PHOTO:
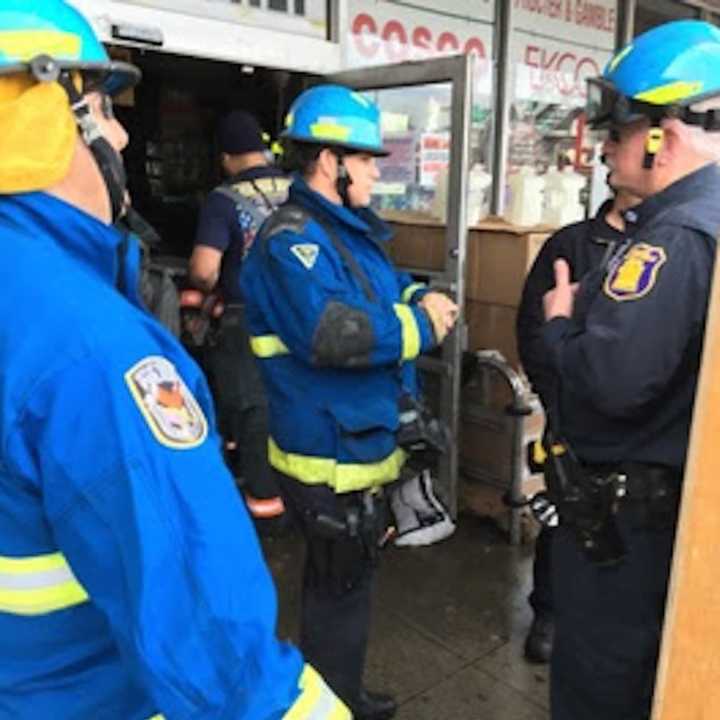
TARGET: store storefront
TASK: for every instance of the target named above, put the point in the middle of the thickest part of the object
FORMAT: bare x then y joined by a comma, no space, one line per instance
490,151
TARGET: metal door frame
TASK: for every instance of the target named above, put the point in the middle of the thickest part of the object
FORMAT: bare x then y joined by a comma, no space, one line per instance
456,70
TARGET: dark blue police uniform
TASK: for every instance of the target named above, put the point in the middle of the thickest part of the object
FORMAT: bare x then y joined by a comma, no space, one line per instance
584,245
628,365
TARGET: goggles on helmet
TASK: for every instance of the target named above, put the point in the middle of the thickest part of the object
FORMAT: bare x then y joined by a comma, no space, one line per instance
605,107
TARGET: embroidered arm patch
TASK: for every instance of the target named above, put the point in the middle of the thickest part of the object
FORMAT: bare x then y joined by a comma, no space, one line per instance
636,273
169,408
306,253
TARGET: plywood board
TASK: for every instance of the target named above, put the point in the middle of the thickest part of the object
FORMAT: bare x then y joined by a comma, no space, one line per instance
688,683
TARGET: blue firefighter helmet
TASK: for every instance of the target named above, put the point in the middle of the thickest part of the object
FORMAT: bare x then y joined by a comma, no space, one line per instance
336,116
53,29
662,73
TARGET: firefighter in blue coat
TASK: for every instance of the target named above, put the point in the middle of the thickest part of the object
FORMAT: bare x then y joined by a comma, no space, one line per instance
626,346
336,329
131,582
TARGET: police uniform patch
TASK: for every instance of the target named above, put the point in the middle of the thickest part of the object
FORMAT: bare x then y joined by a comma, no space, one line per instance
636,273
171,411
306,253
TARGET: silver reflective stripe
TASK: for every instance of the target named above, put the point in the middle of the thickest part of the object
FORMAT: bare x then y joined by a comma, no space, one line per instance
38,584
324,706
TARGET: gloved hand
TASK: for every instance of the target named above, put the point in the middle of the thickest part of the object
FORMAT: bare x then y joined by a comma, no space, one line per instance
442,312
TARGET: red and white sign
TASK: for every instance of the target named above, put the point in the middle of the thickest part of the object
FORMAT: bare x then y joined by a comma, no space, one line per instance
588,22
384,32
553,72
434,156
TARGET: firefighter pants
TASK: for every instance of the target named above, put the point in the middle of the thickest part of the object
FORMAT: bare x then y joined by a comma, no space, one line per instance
242,404
337,582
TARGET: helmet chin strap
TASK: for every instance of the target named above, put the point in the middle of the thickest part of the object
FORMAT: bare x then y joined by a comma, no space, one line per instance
106,157
343,181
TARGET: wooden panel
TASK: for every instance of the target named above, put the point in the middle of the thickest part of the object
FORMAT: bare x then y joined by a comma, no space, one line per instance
688,684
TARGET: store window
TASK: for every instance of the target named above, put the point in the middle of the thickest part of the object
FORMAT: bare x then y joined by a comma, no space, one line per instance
552,155
416,129
416,120
650,13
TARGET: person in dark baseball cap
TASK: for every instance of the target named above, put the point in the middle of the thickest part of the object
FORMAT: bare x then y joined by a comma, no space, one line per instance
238,133
229,219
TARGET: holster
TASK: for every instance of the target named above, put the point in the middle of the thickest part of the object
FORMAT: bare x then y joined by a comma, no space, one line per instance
587,501
345,548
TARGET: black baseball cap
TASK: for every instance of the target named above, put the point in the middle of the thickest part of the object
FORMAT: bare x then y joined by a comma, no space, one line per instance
239,132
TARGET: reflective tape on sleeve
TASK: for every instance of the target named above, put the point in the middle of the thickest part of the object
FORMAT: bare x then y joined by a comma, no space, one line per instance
410,290
38,585
410,331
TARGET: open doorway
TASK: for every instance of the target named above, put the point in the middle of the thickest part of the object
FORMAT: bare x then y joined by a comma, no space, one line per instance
171,117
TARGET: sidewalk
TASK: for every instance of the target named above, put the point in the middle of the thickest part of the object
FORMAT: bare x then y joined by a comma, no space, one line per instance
448,629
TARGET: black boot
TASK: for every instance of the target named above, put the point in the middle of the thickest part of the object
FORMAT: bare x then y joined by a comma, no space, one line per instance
373,706
539,641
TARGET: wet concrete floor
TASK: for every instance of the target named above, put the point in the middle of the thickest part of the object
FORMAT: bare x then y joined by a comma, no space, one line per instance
448,626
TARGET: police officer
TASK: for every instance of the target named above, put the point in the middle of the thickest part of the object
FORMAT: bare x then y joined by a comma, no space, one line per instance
336,329
229,219
626,346
131,581
585,245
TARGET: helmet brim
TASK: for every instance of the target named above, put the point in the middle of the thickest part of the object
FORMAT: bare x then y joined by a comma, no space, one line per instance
110,77
352,147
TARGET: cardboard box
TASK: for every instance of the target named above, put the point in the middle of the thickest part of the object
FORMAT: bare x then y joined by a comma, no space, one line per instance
497,264
492,327
419,244
498,257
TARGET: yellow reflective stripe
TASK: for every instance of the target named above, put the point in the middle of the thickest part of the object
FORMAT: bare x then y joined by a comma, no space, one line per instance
38,585
157,717
670,93
26,44
36,563
410,290
267,346
316,701
342,477
410,331
330,131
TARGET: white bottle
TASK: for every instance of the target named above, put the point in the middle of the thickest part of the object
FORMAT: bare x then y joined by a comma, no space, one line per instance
562,197
477,204
526,197
438,206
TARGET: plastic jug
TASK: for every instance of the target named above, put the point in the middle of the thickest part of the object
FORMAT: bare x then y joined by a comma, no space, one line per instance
438,206
562,197
526,197
477,204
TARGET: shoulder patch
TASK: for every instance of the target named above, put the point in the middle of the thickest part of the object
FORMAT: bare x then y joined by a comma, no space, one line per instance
306,253
169,408
636,273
